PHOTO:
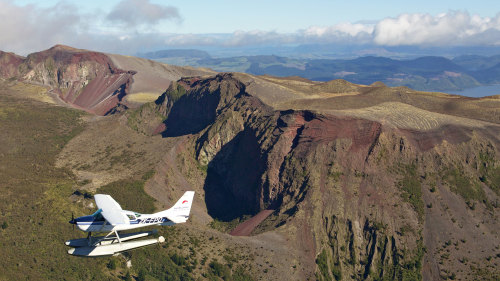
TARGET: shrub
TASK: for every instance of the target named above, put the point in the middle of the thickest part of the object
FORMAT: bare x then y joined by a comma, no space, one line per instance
142,275
112,264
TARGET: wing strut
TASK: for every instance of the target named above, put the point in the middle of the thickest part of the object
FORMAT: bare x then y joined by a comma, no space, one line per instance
116,234
118,237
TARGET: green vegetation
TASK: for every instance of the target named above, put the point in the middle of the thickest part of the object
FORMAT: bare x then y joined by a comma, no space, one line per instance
154,264
328,268
412,269
170,263
149,174
175,92
34,197
35,206
462,185
133,118
224,272
334,172
112,264
412,190
50,67
128,277
131,195
219,270
406,265
322,262
224,226
490,172
481,273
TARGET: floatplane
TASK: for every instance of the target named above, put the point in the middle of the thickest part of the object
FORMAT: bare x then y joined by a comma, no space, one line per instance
111,219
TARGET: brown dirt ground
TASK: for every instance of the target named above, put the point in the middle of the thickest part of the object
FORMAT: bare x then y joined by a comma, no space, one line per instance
246,228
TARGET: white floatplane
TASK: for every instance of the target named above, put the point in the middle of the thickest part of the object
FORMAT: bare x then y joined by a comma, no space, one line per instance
110,218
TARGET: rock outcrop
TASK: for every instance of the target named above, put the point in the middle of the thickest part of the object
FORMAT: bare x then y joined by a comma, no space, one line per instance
84,79
364,198
10,63
90,80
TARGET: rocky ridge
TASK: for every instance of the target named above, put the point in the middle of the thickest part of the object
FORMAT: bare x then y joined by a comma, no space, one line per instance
365,199
90,80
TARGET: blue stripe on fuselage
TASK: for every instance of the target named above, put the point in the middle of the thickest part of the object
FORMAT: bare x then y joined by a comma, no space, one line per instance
85,219
88,220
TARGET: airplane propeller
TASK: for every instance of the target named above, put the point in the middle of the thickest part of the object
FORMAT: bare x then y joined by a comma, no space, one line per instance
72,221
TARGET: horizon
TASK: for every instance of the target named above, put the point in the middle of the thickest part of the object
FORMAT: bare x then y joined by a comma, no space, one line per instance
132,26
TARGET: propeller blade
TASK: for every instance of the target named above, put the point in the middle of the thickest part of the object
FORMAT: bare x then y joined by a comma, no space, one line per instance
72,221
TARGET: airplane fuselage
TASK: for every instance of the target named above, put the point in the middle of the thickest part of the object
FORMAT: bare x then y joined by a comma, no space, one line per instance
92,224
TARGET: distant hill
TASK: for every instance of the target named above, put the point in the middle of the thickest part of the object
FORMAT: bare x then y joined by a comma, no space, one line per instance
175,53
97,82
474,62
429,73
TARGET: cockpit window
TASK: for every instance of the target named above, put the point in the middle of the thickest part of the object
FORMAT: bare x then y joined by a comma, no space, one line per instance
98,216
137,215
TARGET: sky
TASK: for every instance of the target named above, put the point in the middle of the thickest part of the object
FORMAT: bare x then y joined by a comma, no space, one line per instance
129,26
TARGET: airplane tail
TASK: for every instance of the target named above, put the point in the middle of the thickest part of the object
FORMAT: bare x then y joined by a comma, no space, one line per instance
179,213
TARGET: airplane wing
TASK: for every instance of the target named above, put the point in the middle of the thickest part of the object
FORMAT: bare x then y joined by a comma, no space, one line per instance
111,210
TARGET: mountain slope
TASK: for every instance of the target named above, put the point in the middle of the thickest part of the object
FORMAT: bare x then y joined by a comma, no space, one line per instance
93,81
362,194
355,182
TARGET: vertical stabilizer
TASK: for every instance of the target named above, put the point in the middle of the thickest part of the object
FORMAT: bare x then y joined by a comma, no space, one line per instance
179,213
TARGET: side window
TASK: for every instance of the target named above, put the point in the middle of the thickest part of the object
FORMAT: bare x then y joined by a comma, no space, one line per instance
99,217
131,217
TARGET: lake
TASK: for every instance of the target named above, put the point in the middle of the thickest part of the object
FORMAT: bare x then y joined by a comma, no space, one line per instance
478,92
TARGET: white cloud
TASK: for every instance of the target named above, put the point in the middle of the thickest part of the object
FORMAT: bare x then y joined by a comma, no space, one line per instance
453,28
190,40
134,13
258,37
339,30
447,29
30,28
27,28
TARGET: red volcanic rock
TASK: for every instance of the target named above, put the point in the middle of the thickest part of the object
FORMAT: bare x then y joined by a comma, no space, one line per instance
246,228
9,64
85,79
93,81
343,187
325,128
